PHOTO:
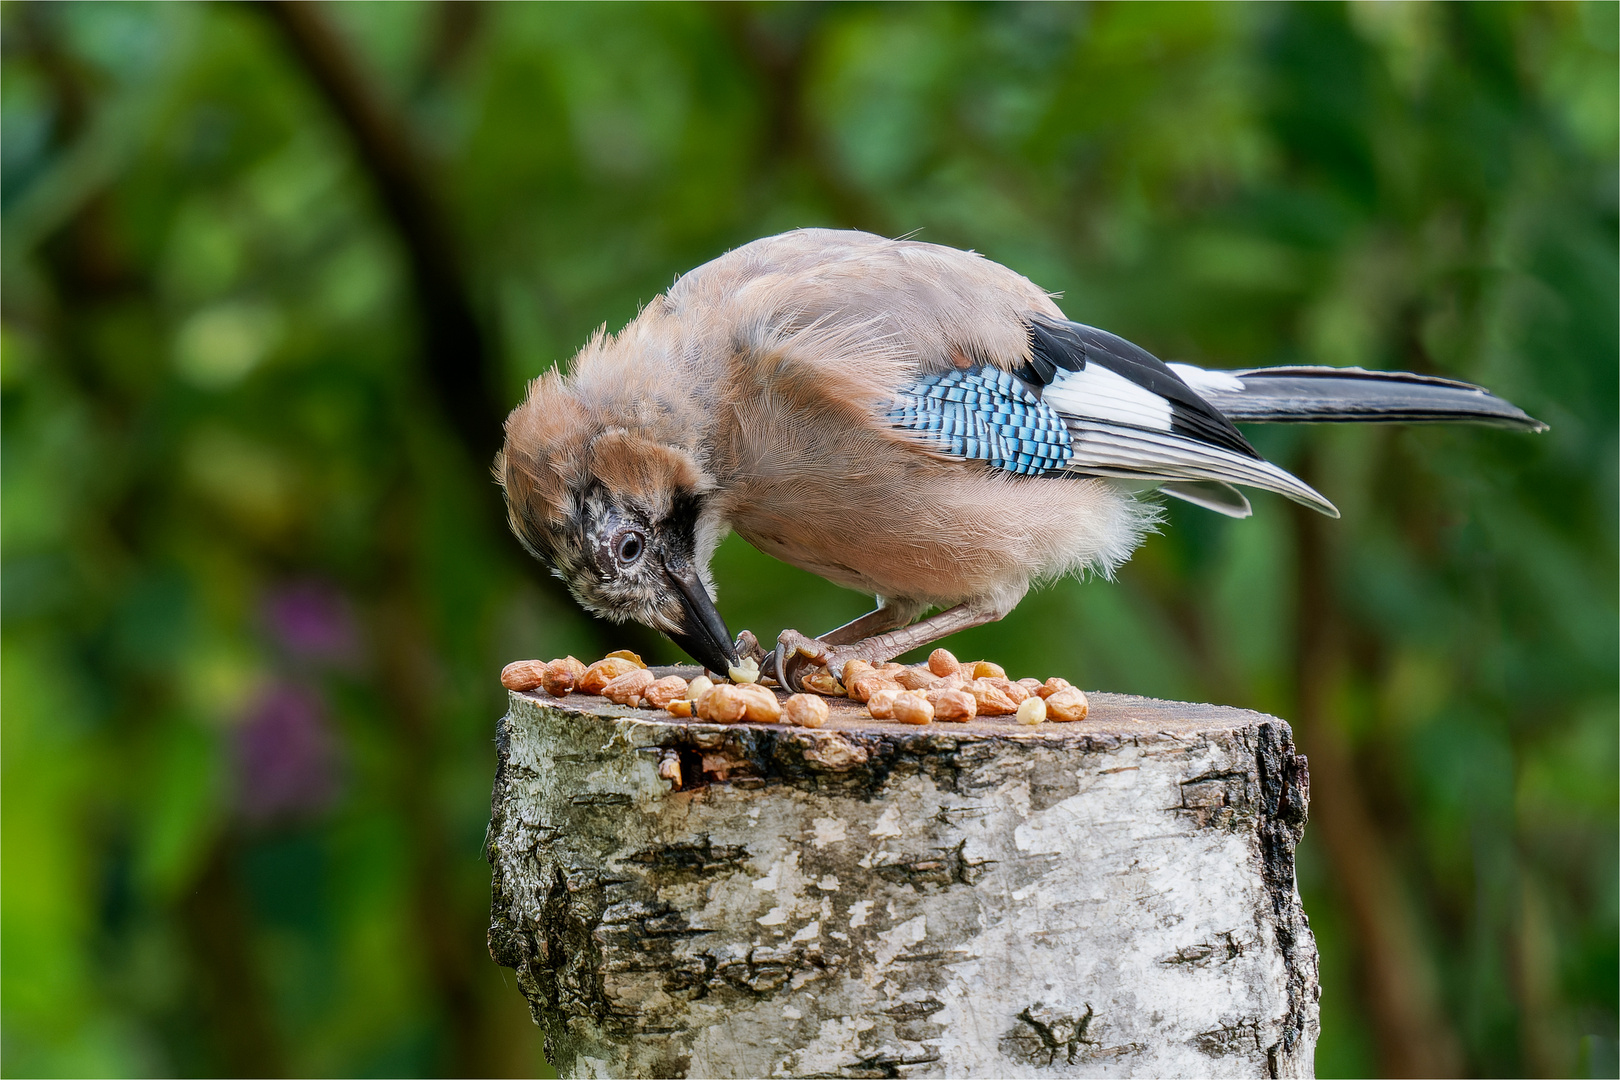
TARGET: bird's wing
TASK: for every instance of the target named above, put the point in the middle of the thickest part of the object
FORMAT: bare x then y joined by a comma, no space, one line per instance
1087,402
972,360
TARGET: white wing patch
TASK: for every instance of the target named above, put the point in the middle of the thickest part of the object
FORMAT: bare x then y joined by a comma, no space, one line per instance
1137,420
1095,393
1208,382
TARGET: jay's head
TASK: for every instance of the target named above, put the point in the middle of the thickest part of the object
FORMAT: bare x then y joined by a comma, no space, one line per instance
618,515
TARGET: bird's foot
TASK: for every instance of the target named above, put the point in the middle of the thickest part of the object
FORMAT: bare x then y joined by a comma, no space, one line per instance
747,646
797,656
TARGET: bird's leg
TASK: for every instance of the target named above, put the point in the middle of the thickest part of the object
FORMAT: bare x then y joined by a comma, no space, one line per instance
889,614
880,647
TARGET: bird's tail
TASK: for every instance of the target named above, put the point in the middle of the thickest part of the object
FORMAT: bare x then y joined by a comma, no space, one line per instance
1324,395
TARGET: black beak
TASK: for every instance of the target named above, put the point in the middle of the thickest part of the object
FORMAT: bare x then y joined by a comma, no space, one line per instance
703,632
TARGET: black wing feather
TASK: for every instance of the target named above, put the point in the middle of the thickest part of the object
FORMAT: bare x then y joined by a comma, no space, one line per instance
1319,395
1067,346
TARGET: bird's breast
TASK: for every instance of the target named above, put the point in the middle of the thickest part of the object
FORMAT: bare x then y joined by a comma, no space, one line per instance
940,534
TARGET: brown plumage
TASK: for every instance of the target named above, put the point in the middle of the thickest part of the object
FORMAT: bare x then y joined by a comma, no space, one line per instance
758,395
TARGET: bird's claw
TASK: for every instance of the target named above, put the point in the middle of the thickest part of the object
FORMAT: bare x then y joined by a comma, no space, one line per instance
796,655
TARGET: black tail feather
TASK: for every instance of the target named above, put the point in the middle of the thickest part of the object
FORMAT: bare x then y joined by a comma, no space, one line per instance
1325,395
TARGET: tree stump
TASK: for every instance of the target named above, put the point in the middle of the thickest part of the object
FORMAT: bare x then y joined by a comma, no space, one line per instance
1107,898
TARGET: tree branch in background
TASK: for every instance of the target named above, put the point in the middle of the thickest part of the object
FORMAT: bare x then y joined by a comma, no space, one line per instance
456,355
457,358
1399,986
778,55
456,26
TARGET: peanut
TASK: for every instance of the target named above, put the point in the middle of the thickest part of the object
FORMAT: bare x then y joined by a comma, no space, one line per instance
915,678
853,669
603,672
523,675
990,699
723,704
954,705
824,683
942,663
1032,710
763,708
1068,705
663,691
1052,686
745,671
867,683
626,654
805,710
984,669
1030,685
881,703
1015,693
697,686
563,675
628,688
679,707
912,707
560,682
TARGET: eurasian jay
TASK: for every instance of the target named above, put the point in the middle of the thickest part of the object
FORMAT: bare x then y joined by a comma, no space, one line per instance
901,418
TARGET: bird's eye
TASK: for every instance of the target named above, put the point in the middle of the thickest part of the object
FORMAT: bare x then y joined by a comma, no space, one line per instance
628,548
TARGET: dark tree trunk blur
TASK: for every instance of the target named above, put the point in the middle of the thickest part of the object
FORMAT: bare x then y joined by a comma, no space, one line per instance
1399,985
458,362
455,353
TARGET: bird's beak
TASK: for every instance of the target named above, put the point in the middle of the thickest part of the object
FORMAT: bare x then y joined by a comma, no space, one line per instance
703,632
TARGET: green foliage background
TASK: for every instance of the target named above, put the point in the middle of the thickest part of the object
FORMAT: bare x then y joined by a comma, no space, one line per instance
256,589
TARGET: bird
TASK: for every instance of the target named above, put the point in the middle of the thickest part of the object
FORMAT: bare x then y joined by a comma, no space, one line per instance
904,419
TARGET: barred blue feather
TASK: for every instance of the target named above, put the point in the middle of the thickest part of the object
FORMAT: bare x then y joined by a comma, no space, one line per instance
985,414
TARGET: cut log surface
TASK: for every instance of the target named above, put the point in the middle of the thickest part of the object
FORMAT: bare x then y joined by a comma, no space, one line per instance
1113,897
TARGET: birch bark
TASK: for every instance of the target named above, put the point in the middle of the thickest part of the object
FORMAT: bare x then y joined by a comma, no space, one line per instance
1109,898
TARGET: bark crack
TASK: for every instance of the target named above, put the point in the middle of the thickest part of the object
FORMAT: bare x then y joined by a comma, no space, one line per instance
1285,792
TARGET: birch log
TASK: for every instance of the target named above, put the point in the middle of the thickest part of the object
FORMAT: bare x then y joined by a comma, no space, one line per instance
1109,898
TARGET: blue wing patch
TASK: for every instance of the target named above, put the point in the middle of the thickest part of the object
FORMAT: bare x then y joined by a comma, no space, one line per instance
985,414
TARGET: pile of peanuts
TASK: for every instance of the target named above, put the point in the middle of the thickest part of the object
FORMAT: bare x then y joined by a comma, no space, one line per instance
950,690
944,689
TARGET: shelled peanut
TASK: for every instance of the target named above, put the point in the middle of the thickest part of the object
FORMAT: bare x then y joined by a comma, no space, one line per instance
805,710
523,675
604,671
912,707
955,705
562,676
661,692
626,689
